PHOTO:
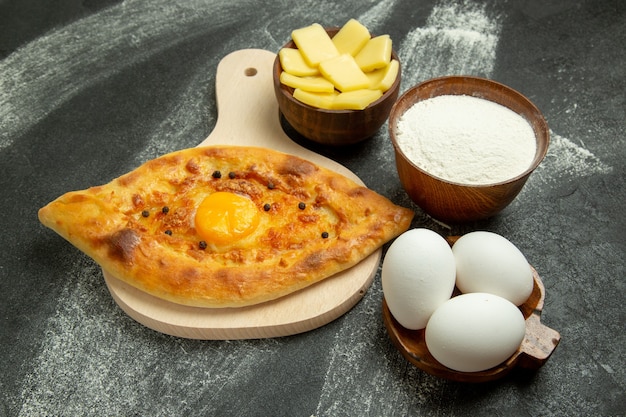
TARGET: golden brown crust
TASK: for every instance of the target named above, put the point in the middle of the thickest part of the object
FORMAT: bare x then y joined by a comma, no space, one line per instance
159,252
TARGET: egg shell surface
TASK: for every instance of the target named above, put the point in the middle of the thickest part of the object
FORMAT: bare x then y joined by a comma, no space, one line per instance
418,275
488,262
475,332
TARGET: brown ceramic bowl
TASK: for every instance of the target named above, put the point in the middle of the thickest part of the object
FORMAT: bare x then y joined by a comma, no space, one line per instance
455,202
333,127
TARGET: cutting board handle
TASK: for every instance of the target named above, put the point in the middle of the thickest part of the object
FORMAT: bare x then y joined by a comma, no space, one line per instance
243,82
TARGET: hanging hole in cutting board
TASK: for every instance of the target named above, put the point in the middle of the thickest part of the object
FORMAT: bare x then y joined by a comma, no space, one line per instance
250,72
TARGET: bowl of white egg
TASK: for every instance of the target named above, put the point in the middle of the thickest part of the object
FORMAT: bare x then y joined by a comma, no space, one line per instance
465,308
465,146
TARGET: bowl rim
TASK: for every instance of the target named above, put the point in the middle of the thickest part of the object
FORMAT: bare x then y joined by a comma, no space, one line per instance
540,152
288,91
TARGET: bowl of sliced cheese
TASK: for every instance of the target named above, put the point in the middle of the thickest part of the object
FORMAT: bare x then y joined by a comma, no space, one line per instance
336,86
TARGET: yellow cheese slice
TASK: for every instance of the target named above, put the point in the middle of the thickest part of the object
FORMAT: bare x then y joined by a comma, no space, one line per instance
344,73
314,44
383,78
319,100
314,84
356,100
375,54
351,37
291,60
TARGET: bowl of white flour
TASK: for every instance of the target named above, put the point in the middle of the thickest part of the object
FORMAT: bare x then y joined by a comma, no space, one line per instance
465,146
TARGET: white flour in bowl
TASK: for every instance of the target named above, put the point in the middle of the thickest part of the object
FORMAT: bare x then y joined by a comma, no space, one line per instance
466,139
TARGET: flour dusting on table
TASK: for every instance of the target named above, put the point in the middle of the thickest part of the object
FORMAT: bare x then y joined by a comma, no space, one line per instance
564,160
459,38
50,70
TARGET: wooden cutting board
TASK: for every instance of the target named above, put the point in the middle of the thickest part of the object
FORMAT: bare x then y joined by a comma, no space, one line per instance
248,115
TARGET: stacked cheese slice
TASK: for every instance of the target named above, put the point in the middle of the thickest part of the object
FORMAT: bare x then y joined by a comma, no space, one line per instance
346,72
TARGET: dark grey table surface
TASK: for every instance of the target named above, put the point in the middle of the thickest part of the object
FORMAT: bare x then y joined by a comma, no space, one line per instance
89,90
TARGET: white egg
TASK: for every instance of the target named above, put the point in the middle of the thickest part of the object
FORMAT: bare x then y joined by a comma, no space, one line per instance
488,262
417,276
475,332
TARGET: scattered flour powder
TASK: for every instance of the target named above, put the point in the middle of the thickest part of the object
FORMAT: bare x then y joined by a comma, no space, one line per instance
466,139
